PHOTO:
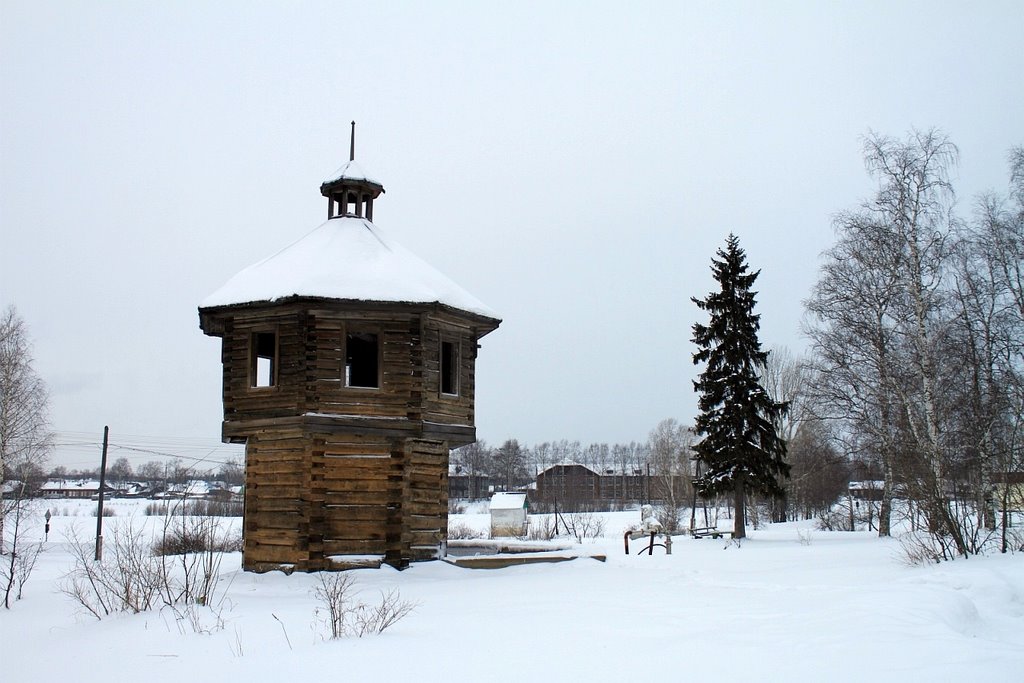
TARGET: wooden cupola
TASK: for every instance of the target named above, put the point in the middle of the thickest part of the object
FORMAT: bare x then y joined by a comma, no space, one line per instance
350,191
349,374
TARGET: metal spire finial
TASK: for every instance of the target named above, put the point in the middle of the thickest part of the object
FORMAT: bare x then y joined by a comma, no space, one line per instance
352,144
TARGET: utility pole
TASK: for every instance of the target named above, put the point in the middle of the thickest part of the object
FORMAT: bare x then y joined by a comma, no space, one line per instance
99,510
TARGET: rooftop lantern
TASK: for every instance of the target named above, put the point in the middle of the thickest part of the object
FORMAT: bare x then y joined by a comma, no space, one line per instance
351,192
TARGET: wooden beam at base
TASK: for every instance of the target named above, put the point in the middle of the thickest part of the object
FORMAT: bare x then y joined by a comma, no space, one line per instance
500,562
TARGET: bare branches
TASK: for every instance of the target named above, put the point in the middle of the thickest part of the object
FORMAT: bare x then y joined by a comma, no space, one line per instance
345,616
180,572
24,433
916,329
16,567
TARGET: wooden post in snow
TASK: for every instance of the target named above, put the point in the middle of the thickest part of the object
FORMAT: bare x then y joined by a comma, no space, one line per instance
99,509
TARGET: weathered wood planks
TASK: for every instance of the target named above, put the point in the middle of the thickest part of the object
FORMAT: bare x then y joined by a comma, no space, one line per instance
335,470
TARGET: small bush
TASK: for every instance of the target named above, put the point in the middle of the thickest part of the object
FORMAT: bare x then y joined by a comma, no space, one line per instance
126,580
669,517
214,508
542,528
156,509
460,531
195,538
344,616
584,525
921,548
107,512
834,520
195,508
131,578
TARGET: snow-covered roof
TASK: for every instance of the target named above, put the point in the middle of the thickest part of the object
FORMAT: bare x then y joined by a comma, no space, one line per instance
64,485
869,484
544,467
351,171
346,258
508,501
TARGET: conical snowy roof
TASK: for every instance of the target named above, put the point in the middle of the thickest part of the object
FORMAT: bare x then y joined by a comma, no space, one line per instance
351,171
346,258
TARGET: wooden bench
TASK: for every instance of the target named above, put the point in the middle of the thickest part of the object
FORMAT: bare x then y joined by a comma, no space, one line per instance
713,532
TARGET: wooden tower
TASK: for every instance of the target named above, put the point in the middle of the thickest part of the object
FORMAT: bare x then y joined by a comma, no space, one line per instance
348,369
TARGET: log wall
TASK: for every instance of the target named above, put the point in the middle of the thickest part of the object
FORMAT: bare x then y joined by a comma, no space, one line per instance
337,476
316,500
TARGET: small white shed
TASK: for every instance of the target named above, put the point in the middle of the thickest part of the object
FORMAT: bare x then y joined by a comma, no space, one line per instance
508,514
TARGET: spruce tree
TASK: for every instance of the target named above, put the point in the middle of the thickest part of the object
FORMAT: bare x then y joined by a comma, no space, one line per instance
740,451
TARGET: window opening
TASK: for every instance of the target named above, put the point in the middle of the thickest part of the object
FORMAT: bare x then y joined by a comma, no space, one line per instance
264,359
361,360
449,368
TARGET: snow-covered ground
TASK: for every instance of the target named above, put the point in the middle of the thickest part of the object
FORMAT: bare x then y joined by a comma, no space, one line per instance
841,607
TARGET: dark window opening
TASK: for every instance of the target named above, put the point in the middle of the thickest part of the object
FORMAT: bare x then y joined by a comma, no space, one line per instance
263,361
361,360
449,368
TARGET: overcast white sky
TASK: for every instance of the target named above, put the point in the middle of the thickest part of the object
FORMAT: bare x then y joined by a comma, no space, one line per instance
573,165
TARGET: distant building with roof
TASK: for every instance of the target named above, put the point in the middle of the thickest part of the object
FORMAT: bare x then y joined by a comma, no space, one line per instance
66,488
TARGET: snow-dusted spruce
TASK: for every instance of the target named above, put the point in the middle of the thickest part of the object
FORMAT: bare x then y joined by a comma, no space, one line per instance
740,451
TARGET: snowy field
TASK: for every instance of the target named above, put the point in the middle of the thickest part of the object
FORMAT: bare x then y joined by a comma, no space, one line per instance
788,605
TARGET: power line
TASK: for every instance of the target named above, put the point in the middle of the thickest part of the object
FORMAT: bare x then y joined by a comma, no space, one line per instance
80,449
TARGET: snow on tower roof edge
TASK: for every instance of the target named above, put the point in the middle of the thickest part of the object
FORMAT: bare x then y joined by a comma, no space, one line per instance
346,258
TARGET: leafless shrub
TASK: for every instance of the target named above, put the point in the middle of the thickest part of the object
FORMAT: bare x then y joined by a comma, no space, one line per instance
21,555
461,530
345,616
377,619
24,563
834,520
191,617
180,571
922,548
126,580
156,509
585,525
542,528
456,507
507,531
198,535
669,516
847,516
192,574
197,508
214,508
804,536
1015,539
334,592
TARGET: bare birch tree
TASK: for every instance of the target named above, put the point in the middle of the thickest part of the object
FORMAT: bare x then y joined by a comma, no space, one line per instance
670,451
854,355
913,205
24,433
989,292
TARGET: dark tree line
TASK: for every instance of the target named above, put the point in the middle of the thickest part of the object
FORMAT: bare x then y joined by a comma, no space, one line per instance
154,473
513,465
